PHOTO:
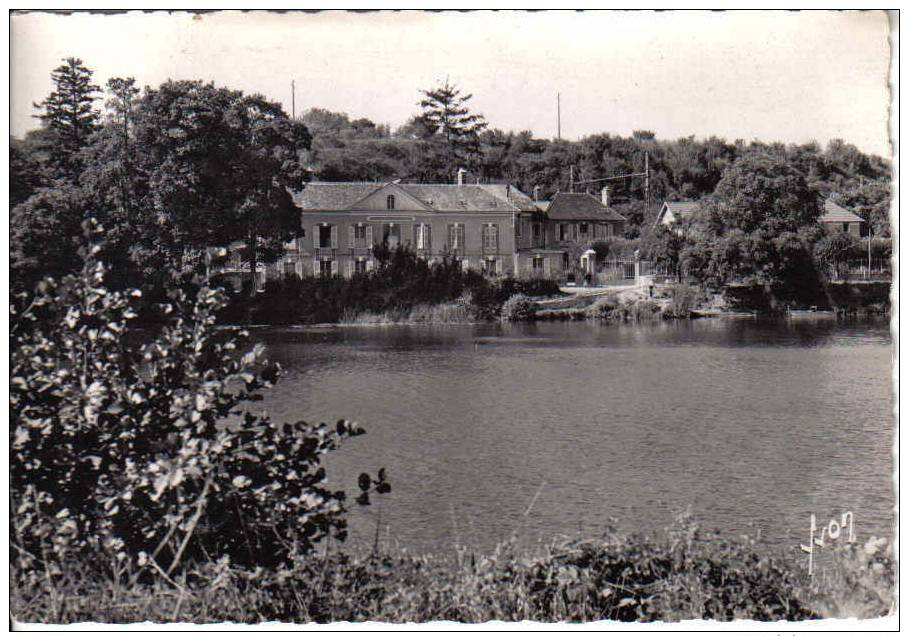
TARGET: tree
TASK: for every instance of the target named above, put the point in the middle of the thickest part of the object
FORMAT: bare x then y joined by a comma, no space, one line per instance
118,449
24,172
44,232
665,247
70,115
762,192
188,166
446,115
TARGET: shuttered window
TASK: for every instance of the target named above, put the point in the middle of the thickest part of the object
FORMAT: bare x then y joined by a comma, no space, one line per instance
326,236
491,237
357,235
456,236
422,236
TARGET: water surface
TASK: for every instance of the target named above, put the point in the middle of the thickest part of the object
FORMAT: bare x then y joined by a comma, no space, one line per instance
751,425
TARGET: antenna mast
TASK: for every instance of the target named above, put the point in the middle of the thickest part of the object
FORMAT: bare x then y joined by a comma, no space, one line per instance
558,115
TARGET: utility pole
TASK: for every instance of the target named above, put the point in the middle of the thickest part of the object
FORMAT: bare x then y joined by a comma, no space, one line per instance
646,183
571,178
293,100
558,115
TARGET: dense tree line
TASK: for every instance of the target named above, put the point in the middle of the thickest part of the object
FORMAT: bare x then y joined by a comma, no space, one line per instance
171,170
346,149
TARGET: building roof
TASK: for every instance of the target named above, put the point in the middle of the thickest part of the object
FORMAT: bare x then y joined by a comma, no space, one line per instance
580,206
834,213
680,209
340,196
332,196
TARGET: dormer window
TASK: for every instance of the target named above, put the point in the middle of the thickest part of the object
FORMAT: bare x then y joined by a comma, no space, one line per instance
390,202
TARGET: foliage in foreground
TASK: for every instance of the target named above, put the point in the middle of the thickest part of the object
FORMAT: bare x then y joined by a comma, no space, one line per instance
679,574
135,452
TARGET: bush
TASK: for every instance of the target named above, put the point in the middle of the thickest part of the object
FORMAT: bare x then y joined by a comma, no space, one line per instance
683,299
519,308
134,448
402,283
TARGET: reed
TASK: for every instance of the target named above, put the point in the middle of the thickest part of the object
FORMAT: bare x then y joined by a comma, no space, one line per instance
679,573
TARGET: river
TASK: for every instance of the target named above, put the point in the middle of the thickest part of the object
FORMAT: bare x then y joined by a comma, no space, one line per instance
552,429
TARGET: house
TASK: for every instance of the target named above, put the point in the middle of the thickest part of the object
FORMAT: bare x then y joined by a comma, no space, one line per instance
570,220
342,222
676,212
838,219
492,228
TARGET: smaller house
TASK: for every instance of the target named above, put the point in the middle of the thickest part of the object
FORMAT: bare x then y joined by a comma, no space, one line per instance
579,218
836,218
675,212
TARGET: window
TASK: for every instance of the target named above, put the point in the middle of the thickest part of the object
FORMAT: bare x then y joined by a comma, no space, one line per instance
325,268
290,268
359,236
422,236
563,231
517,228
325,236
582,228
360,266
391,232
490,237
538,263
456,236
536,230
845,227
390,202
490,266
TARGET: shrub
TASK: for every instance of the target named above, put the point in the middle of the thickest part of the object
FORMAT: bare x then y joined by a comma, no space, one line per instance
519,308
400,283
683,299
123,452
676,574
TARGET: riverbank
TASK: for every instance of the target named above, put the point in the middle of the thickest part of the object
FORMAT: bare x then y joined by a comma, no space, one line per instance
681,573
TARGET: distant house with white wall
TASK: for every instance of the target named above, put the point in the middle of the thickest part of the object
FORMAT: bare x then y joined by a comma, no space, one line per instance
836,218
672,213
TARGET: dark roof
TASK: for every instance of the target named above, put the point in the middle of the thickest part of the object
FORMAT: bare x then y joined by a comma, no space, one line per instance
834,213
580,206
321,195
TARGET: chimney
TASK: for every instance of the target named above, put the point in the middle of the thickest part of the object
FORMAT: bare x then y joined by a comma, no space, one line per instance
508,192
461,173
536,193
604,196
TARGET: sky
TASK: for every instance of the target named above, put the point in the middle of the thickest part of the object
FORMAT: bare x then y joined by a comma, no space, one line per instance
773,76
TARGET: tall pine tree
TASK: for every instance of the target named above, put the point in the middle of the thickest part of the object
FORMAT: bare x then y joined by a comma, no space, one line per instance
446,115
70,116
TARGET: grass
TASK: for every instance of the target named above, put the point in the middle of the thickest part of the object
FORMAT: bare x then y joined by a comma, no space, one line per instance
680,573
429,314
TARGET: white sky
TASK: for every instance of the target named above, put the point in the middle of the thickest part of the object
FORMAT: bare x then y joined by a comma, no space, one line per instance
774,76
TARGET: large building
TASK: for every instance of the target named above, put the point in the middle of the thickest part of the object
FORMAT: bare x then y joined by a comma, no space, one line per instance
493,228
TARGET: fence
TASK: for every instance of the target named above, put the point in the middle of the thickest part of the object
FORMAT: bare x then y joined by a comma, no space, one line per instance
877,269
627,272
